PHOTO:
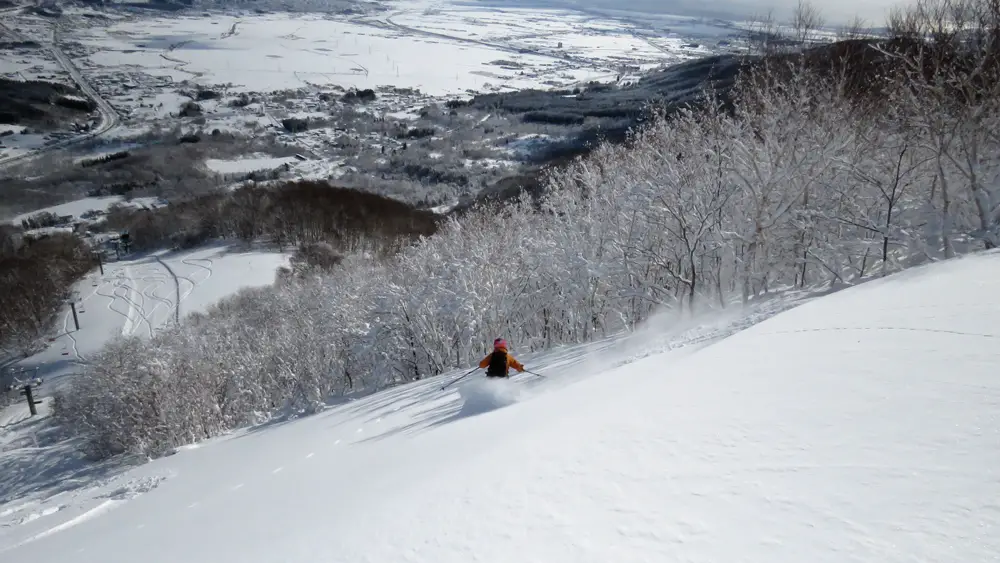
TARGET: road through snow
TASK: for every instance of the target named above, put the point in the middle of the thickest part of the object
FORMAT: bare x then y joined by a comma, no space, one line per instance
109,116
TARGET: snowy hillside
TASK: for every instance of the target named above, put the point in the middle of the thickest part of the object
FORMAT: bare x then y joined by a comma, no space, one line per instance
140,296
857,427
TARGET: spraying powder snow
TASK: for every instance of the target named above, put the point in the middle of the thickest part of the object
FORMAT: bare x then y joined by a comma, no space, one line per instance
483,395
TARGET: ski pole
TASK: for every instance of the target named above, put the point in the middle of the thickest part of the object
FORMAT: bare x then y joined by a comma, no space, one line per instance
533,373
460,378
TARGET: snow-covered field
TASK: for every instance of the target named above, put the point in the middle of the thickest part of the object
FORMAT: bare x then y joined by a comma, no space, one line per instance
22,143
140,296
26,62
249,164
570,34
80,207
436,48
860,426
148,65
281,51
31,64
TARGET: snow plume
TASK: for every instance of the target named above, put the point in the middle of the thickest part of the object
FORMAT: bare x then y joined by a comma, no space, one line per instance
484,395
683,330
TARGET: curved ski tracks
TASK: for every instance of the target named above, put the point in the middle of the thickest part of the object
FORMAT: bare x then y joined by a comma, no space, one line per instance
178,278
152,279
135,314
74,347
177,285
191,262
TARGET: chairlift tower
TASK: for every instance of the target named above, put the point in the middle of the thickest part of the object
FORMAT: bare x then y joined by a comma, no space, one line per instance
26,386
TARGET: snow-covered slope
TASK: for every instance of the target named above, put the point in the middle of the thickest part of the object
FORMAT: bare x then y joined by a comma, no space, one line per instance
861,426
141,295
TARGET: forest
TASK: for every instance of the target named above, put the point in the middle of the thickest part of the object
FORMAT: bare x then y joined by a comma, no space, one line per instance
35,277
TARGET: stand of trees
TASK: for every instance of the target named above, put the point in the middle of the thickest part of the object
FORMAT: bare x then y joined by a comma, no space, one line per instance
803,181
35,275
292,213
325,221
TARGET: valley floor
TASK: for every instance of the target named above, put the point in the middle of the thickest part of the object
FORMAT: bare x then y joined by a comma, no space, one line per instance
258,74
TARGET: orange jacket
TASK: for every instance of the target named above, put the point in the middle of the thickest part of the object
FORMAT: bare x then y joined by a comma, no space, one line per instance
511,362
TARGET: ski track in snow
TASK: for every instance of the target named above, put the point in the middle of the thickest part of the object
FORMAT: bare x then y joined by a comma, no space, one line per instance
136,299
133,313
106,495
105,506
871,328
150,292
31,517
75,345
113,298
68,333
152,280
178,295
193,263
137,303
17,508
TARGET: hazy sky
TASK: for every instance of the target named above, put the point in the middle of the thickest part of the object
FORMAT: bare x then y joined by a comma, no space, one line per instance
834,11
839,11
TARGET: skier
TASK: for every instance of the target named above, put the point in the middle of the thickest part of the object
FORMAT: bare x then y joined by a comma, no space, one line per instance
498,362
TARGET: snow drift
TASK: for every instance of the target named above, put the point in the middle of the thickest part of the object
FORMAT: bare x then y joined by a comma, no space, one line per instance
861,426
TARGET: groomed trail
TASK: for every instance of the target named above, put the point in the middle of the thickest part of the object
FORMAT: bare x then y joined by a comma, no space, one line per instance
859,426
141,295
